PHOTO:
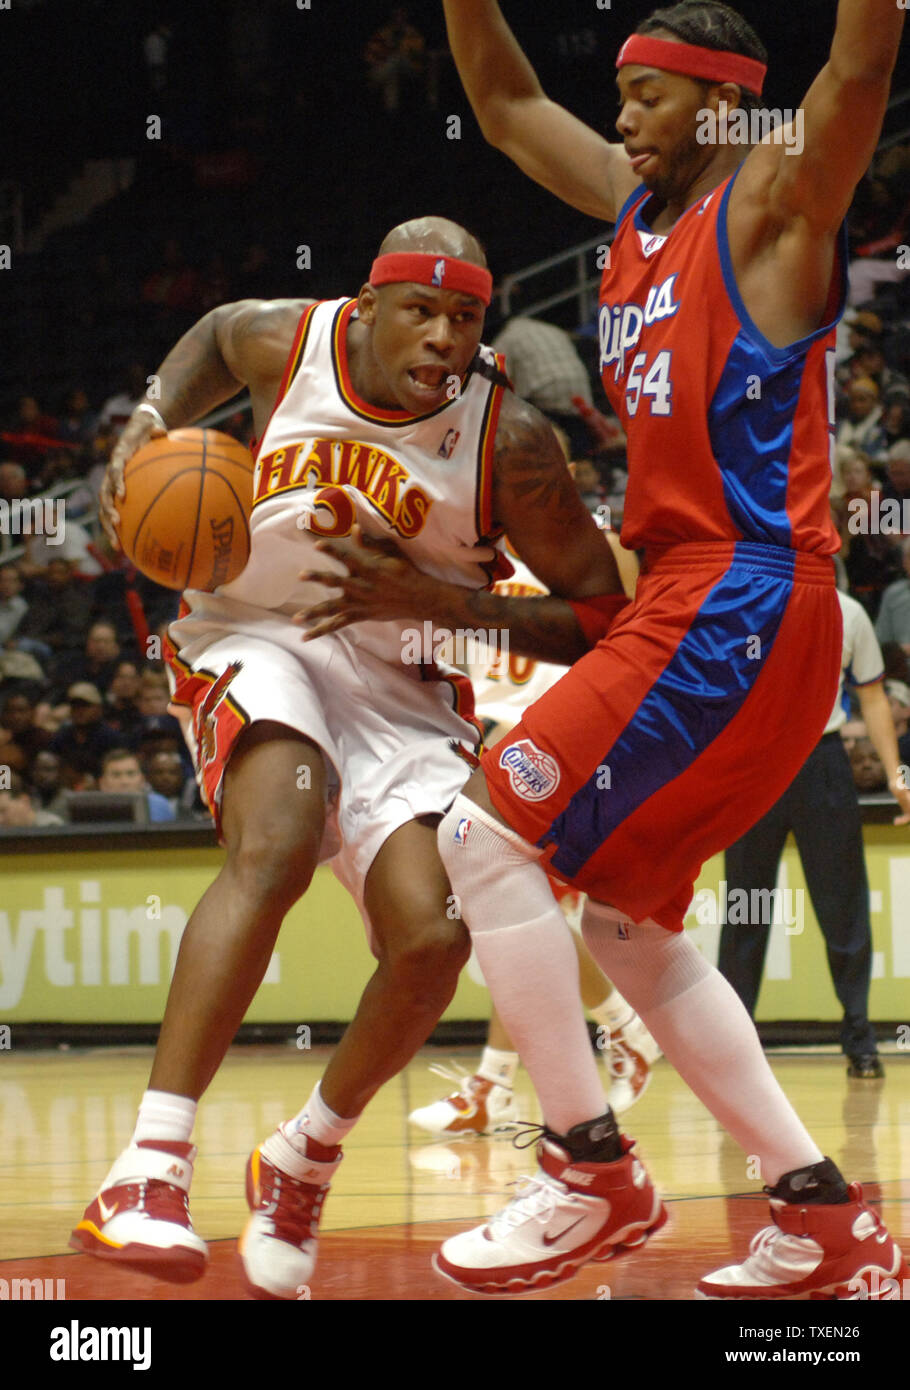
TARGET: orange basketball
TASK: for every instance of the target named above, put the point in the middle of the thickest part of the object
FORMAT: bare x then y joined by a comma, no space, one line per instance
184,521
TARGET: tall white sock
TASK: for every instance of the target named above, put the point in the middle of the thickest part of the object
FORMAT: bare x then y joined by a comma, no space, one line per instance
499,1067
705,1032
527,958
320,1122
163,1115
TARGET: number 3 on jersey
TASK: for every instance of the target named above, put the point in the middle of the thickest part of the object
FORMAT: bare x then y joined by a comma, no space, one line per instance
655,383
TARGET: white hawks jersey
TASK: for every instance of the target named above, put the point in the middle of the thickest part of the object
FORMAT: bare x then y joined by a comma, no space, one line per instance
329,459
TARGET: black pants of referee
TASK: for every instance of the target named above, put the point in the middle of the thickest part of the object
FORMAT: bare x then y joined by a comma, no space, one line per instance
821,809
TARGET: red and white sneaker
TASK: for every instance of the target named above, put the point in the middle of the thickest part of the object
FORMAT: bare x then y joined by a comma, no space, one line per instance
568,1214
632,1054
479,1106
841,1251
141,1217
285,1190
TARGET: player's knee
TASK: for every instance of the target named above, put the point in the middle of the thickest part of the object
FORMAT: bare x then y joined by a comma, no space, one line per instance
428,955
273,869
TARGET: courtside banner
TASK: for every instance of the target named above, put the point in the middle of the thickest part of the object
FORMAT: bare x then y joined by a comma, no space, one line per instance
90,935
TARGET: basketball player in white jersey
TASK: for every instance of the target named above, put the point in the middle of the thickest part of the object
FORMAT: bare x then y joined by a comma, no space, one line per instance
385,414
505,684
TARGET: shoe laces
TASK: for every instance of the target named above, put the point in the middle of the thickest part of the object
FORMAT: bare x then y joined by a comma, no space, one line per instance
456,1074
535,1199
293,1205
164,1202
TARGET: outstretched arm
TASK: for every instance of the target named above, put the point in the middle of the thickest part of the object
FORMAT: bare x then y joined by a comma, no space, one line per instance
552,146
842,117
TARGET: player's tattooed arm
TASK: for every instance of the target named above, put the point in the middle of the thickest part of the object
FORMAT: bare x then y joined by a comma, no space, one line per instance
536,502
236,345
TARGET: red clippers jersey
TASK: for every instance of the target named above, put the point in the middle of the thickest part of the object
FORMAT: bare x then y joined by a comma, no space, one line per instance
729,437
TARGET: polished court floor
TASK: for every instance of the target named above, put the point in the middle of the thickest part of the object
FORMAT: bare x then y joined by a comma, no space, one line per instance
64,1115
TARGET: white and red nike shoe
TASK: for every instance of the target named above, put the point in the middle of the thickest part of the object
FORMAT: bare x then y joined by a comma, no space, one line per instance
570,1213
837,1251
479,1106
632,1054
287,1180
140,1217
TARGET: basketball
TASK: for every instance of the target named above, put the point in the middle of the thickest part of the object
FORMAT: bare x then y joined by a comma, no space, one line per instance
184,521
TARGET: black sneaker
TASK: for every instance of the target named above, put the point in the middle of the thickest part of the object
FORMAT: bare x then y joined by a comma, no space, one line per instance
867,1067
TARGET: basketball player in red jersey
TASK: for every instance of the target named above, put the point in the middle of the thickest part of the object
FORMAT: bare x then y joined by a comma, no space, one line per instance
337,748
717,333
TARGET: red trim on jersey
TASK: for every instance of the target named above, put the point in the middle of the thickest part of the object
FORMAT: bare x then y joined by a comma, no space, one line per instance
689,59
485,461
291,367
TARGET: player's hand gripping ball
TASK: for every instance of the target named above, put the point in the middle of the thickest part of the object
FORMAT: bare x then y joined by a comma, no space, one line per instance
184,521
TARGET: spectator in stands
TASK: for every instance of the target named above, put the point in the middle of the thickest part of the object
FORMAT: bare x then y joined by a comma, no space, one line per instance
893,621
13,606
18,810
862,428
84,739
17,722
166,775
851,731
870,362
896,414
98,661
154,695
54,626
121,772
545,369
46,775
899,699
897,472
118,408
78,422
121,708
394,58
867,767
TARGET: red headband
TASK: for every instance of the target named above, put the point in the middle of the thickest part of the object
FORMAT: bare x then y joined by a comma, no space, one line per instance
442,272
713,64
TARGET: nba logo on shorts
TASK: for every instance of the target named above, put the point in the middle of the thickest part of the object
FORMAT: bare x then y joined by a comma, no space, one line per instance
533,774
461,830
439,271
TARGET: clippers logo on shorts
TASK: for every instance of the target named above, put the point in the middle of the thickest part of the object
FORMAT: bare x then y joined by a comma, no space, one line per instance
439,271
461,830
534,775
207,716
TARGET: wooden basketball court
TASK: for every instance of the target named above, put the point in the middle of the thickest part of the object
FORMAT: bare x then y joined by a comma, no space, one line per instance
64,1115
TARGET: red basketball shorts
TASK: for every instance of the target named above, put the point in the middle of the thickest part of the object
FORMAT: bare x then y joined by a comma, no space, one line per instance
680,729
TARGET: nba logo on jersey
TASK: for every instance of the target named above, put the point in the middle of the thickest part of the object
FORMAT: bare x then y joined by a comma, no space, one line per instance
461,830
447,447
622,931
533,774
439,271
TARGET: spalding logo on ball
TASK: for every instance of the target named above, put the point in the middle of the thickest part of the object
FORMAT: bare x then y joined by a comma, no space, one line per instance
184,521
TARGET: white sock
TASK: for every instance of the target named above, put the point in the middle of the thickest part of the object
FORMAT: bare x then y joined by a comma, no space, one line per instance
321,1123
699,1022
499,1067
526,954
163,1115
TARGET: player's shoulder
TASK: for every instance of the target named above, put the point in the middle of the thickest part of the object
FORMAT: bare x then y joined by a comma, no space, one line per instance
266,316
521,426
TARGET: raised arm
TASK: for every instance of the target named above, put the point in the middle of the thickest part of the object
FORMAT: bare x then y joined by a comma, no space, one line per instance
552,146
842,116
